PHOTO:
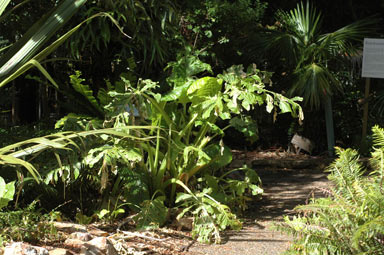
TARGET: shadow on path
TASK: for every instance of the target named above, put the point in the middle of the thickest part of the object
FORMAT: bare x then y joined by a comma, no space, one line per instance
283,190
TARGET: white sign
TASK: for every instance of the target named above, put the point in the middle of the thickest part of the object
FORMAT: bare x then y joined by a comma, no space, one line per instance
373,58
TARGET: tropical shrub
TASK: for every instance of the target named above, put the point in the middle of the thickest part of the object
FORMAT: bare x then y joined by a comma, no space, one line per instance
168,145
186,151
350,220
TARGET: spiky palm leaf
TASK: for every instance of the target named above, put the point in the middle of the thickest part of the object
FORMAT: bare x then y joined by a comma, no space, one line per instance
308,51
38,59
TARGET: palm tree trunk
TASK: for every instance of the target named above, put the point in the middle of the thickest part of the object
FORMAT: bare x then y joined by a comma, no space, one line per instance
329,125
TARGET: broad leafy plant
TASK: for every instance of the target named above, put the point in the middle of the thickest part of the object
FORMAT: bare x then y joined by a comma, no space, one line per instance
210,216
350,220
171,142
188,144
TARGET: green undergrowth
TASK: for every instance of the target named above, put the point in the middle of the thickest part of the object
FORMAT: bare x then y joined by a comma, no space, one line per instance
27,224
350,219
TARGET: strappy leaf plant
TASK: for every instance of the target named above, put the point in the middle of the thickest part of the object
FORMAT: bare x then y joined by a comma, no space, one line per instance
25,50
20,153
28,52
3,5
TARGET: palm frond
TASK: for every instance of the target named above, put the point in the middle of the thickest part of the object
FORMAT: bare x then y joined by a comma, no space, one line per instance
39,57
299,42
314,82
307,20
341,41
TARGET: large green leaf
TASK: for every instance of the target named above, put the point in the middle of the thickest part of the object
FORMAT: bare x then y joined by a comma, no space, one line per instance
153,214
7,191
205,87
247,126
220,156
179,93
186,67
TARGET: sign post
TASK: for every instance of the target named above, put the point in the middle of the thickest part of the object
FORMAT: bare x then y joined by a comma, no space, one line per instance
373,67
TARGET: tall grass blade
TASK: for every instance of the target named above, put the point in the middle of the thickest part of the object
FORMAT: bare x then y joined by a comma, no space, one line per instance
3,5
24,49
48,50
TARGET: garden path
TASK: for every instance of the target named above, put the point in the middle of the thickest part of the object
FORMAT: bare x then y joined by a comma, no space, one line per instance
284,189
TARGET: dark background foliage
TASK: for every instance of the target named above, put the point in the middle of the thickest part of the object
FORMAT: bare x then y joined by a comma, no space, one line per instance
223,32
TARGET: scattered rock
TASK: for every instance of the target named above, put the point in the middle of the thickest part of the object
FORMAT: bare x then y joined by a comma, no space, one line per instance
98,246
20,248
97,232
74,243
68,227
81,236
60,251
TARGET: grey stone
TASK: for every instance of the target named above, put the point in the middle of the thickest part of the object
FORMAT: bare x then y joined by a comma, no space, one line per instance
98,246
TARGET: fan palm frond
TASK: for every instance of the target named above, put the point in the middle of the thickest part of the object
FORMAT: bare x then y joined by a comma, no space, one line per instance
307,20
341,41
314,82
300,43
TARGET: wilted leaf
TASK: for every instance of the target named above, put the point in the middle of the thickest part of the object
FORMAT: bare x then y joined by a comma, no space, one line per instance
153,214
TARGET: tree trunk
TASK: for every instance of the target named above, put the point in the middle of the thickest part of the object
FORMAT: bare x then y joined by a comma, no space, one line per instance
329,126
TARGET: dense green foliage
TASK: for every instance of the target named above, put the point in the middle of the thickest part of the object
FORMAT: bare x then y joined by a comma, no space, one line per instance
152,145
350,219
145,94
311,54
219,28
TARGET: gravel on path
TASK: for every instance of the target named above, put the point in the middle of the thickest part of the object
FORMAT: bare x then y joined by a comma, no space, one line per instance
283,190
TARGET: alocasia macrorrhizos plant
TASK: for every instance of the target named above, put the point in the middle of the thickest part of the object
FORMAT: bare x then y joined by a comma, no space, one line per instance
173,141
188,145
